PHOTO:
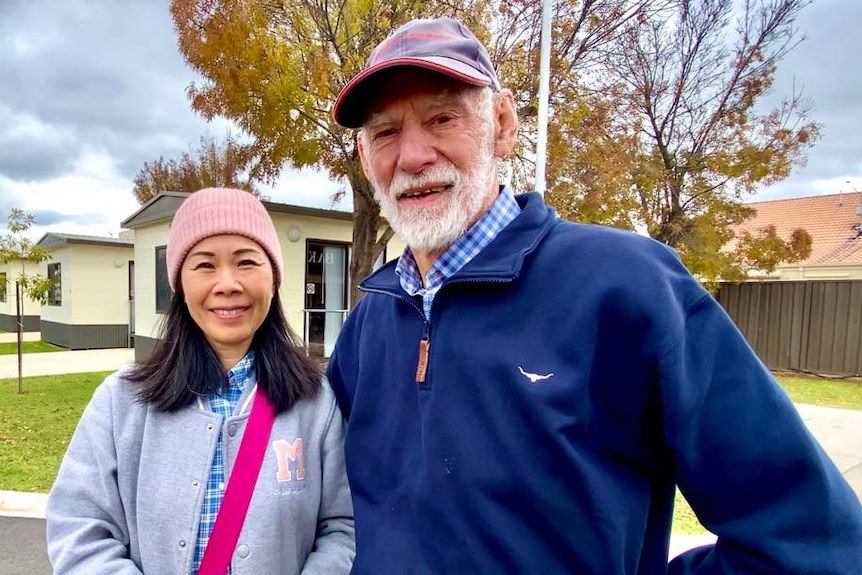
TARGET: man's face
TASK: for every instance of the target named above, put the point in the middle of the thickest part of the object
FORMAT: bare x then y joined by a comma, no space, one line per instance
428,149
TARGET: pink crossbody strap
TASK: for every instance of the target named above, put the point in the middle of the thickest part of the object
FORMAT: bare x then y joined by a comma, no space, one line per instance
240,487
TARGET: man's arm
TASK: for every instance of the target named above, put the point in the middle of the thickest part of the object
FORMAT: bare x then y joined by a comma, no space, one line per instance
751,470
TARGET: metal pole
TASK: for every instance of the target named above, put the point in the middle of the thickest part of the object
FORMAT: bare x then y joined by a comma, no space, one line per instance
544,92
305,330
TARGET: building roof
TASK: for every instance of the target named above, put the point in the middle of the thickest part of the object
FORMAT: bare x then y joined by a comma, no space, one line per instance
53,240
832,221
165,205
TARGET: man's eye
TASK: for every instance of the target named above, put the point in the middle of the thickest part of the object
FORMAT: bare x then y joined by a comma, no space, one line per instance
385,133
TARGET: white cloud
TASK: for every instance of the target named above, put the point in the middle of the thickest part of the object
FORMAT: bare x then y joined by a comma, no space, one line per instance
309,188
91,199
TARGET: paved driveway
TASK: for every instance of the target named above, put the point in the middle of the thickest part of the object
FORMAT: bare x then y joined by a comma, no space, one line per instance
22,547
60,362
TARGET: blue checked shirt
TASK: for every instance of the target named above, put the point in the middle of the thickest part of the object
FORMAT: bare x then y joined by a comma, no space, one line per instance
224,405
502,212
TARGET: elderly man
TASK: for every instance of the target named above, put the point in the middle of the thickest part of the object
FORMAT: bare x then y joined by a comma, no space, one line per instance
524,394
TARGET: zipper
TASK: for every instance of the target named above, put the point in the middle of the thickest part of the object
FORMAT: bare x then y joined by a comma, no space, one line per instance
422,364
424,343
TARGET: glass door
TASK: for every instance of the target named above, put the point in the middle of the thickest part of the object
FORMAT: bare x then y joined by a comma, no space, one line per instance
325,295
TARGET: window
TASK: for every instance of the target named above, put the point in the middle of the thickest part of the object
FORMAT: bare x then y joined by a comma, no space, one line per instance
55,274
2,287
163,288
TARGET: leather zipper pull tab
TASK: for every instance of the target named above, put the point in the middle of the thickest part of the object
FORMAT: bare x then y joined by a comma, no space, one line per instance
422,365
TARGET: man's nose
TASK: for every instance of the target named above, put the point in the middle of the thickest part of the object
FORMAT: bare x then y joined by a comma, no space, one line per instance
417,150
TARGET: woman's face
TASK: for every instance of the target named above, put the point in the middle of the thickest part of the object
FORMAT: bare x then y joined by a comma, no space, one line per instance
227,282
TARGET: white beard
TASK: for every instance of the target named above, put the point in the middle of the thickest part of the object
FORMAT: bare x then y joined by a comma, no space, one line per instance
438,227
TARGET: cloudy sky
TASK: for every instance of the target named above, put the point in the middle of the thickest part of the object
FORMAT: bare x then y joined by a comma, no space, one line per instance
91,89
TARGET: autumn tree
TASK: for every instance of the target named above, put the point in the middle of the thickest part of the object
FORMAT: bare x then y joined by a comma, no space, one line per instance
667,135
211,164
581,30
15,247
275,69
764,249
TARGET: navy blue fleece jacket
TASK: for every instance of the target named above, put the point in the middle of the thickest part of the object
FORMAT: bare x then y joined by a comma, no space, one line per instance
576,375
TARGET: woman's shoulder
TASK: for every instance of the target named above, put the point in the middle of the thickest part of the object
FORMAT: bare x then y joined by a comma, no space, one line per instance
117,390
326,393
320,406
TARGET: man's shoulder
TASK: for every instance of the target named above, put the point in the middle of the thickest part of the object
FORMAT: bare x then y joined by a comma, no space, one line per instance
596,238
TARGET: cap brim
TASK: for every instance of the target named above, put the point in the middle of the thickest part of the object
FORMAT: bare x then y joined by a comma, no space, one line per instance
353,102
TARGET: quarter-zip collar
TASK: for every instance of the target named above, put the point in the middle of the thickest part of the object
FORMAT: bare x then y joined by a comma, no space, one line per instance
501,260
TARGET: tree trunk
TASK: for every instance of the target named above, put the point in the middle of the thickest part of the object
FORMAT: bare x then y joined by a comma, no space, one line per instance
19,323
366,225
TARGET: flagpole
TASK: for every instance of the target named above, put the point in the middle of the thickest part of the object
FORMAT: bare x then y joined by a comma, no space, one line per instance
544,90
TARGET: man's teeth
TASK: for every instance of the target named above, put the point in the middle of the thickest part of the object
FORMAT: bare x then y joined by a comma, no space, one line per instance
228,312
425,192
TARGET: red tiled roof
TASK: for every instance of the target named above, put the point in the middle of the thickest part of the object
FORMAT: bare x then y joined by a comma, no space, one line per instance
831,220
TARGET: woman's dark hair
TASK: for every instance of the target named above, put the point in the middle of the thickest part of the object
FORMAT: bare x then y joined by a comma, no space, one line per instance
183,366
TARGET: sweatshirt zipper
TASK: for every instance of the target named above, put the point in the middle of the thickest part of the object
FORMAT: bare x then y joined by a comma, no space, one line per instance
424,343
424,352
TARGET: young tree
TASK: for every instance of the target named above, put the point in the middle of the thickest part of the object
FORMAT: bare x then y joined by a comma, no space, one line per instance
212,164
15,247
674,120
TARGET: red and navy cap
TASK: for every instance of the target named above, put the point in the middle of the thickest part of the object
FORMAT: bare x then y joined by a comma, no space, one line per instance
442,45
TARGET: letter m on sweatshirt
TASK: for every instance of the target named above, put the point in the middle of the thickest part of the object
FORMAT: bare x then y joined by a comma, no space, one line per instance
287,453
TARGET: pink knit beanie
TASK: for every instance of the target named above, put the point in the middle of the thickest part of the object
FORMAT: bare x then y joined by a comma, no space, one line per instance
215,211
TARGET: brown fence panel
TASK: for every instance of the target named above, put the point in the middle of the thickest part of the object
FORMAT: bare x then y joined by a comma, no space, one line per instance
800,325
853,358
796,311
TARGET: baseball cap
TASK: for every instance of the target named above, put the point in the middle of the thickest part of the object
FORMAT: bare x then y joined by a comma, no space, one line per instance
442,44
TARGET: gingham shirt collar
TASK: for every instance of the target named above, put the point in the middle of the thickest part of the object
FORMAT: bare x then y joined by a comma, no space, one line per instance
240,374
502,212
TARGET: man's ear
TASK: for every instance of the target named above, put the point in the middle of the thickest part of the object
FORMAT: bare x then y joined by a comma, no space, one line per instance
507,123
361,141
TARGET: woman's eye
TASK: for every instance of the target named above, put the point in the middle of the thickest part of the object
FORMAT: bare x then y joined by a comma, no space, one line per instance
203,265
247,263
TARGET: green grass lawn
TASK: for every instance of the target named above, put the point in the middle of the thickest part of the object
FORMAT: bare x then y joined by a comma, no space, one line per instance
36,427
11,348
825,392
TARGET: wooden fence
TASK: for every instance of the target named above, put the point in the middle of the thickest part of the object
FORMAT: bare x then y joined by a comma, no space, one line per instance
811,326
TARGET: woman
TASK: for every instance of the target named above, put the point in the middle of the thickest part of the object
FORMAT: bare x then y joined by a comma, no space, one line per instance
145,474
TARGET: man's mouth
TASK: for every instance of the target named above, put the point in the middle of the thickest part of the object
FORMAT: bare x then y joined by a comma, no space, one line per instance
417,194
